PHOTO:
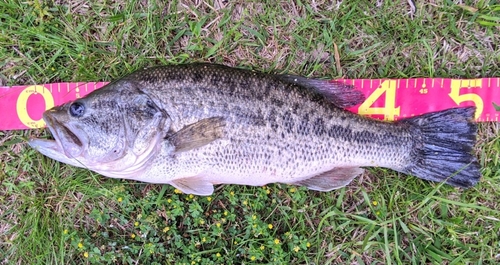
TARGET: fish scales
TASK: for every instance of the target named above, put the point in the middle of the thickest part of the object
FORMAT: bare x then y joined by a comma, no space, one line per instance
196,125
266,117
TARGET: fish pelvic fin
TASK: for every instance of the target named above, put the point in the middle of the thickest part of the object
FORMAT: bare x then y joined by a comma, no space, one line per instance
194,185
443,149
335,178
340,94
198,134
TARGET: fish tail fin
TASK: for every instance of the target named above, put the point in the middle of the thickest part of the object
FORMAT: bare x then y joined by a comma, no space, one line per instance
443,150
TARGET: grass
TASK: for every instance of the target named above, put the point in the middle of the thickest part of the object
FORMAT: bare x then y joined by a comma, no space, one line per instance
56,214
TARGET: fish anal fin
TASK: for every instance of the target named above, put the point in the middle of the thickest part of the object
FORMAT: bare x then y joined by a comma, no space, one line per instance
198,134
338,93
330,180
194,185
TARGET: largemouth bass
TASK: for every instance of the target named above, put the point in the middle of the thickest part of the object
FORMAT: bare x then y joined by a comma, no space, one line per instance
196,125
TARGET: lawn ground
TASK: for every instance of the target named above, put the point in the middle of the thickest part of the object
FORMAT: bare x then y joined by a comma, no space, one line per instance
52,213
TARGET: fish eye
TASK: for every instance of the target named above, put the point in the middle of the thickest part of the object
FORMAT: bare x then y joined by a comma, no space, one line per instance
76,109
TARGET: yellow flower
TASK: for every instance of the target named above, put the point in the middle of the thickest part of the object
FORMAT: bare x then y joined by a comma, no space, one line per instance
136,224
202,222
166,229
262,247
217,224
203,240
293,189
232,193
268,191
80,245
191,196
86,254
252,257
169,200
308,244
296,249
276,241
132,235
225,213
217,255
209,198
270,226
375,203
176,191
254,217
245,202
65,231
120,199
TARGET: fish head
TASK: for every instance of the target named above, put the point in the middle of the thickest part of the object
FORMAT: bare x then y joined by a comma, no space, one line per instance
115,130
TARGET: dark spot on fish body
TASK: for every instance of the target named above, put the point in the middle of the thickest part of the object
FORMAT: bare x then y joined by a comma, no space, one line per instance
267,88
244,83
259,96
230,84
258,118
303,126
317,97
277,102
288,122
364,137
296,108
197,77
271,118
218,91
236,110
231,91
188,90
337,131
216,80
224,105
319,127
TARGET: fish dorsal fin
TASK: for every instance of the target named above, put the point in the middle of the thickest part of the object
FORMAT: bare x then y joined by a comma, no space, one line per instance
198,134
340,94
332,179
194,185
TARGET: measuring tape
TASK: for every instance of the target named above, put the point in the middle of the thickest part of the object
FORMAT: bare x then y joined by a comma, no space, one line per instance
21,107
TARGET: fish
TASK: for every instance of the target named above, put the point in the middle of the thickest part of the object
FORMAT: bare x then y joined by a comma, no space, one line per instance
197,125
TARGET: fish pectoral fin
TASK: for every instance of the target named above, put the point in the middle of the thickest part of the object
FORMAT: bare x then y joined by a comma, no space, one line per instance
194,185
198,134
332,179
340,94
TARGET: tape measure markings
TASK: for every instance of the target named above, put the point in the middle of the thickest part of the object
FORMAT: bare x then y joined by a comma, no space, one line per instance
388,99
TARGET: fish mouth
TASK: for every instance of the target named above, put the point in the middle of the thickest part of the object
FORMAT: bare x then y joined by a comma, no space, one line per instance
66,139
